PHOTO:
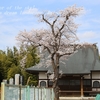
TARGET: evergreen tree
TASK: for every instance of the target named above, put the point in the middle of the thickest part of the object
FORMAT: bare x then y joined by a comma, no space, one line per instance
10,63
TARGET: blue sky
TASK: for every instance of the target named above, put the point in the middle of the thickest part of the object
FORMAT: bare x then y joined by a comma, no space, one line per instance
17,15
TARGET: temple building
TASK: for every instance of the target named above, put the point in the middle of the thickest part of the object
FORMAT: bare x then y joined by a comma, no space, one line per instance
80,73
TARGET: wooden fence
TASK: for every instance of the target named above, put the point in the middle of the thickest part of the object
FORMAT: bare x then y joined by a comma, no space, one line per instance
19,92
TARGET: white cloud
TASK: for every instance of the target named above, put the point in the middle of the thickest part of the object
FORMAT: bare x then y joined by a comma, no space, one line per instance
6,40
96,20
10,27
87,35
31,10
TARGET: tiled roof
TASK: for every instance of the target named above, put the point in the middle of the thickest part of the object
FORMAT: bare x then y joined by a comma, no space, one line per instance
82,62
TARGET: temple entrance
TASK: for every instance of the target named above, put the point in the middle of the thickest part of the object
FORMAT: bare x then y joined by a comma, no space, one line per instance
74,85
70,83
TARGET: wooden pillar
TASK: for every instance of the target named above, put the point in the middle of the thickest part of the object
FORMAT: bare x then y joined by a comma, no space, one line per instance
82,86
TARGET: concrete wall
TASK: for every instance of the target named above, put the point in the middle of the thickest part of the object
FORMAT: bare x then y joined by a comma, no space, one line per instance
43,77
87,76
96,77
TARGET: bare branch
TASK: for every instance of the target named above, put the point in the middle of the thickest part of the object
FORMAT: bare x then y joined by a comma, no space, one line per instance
55,20
67,17
45,20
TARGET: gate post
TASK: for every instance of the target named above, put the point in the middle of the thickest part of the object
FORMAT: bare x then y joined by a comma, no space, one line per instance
2,90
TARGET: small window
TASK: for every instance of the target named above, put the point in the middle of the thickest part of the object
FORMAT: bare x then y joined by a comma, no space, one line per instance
86,82
77,82
43,84
96,84
50,83
60,82
72,82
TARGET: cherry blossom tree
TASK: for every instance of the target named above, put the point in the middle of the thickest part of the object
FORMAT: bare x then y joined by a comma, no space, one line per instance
58,38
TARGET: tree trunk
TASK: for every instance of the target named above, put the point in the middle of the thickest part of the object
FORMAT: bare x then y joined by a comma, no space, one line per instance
55,84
